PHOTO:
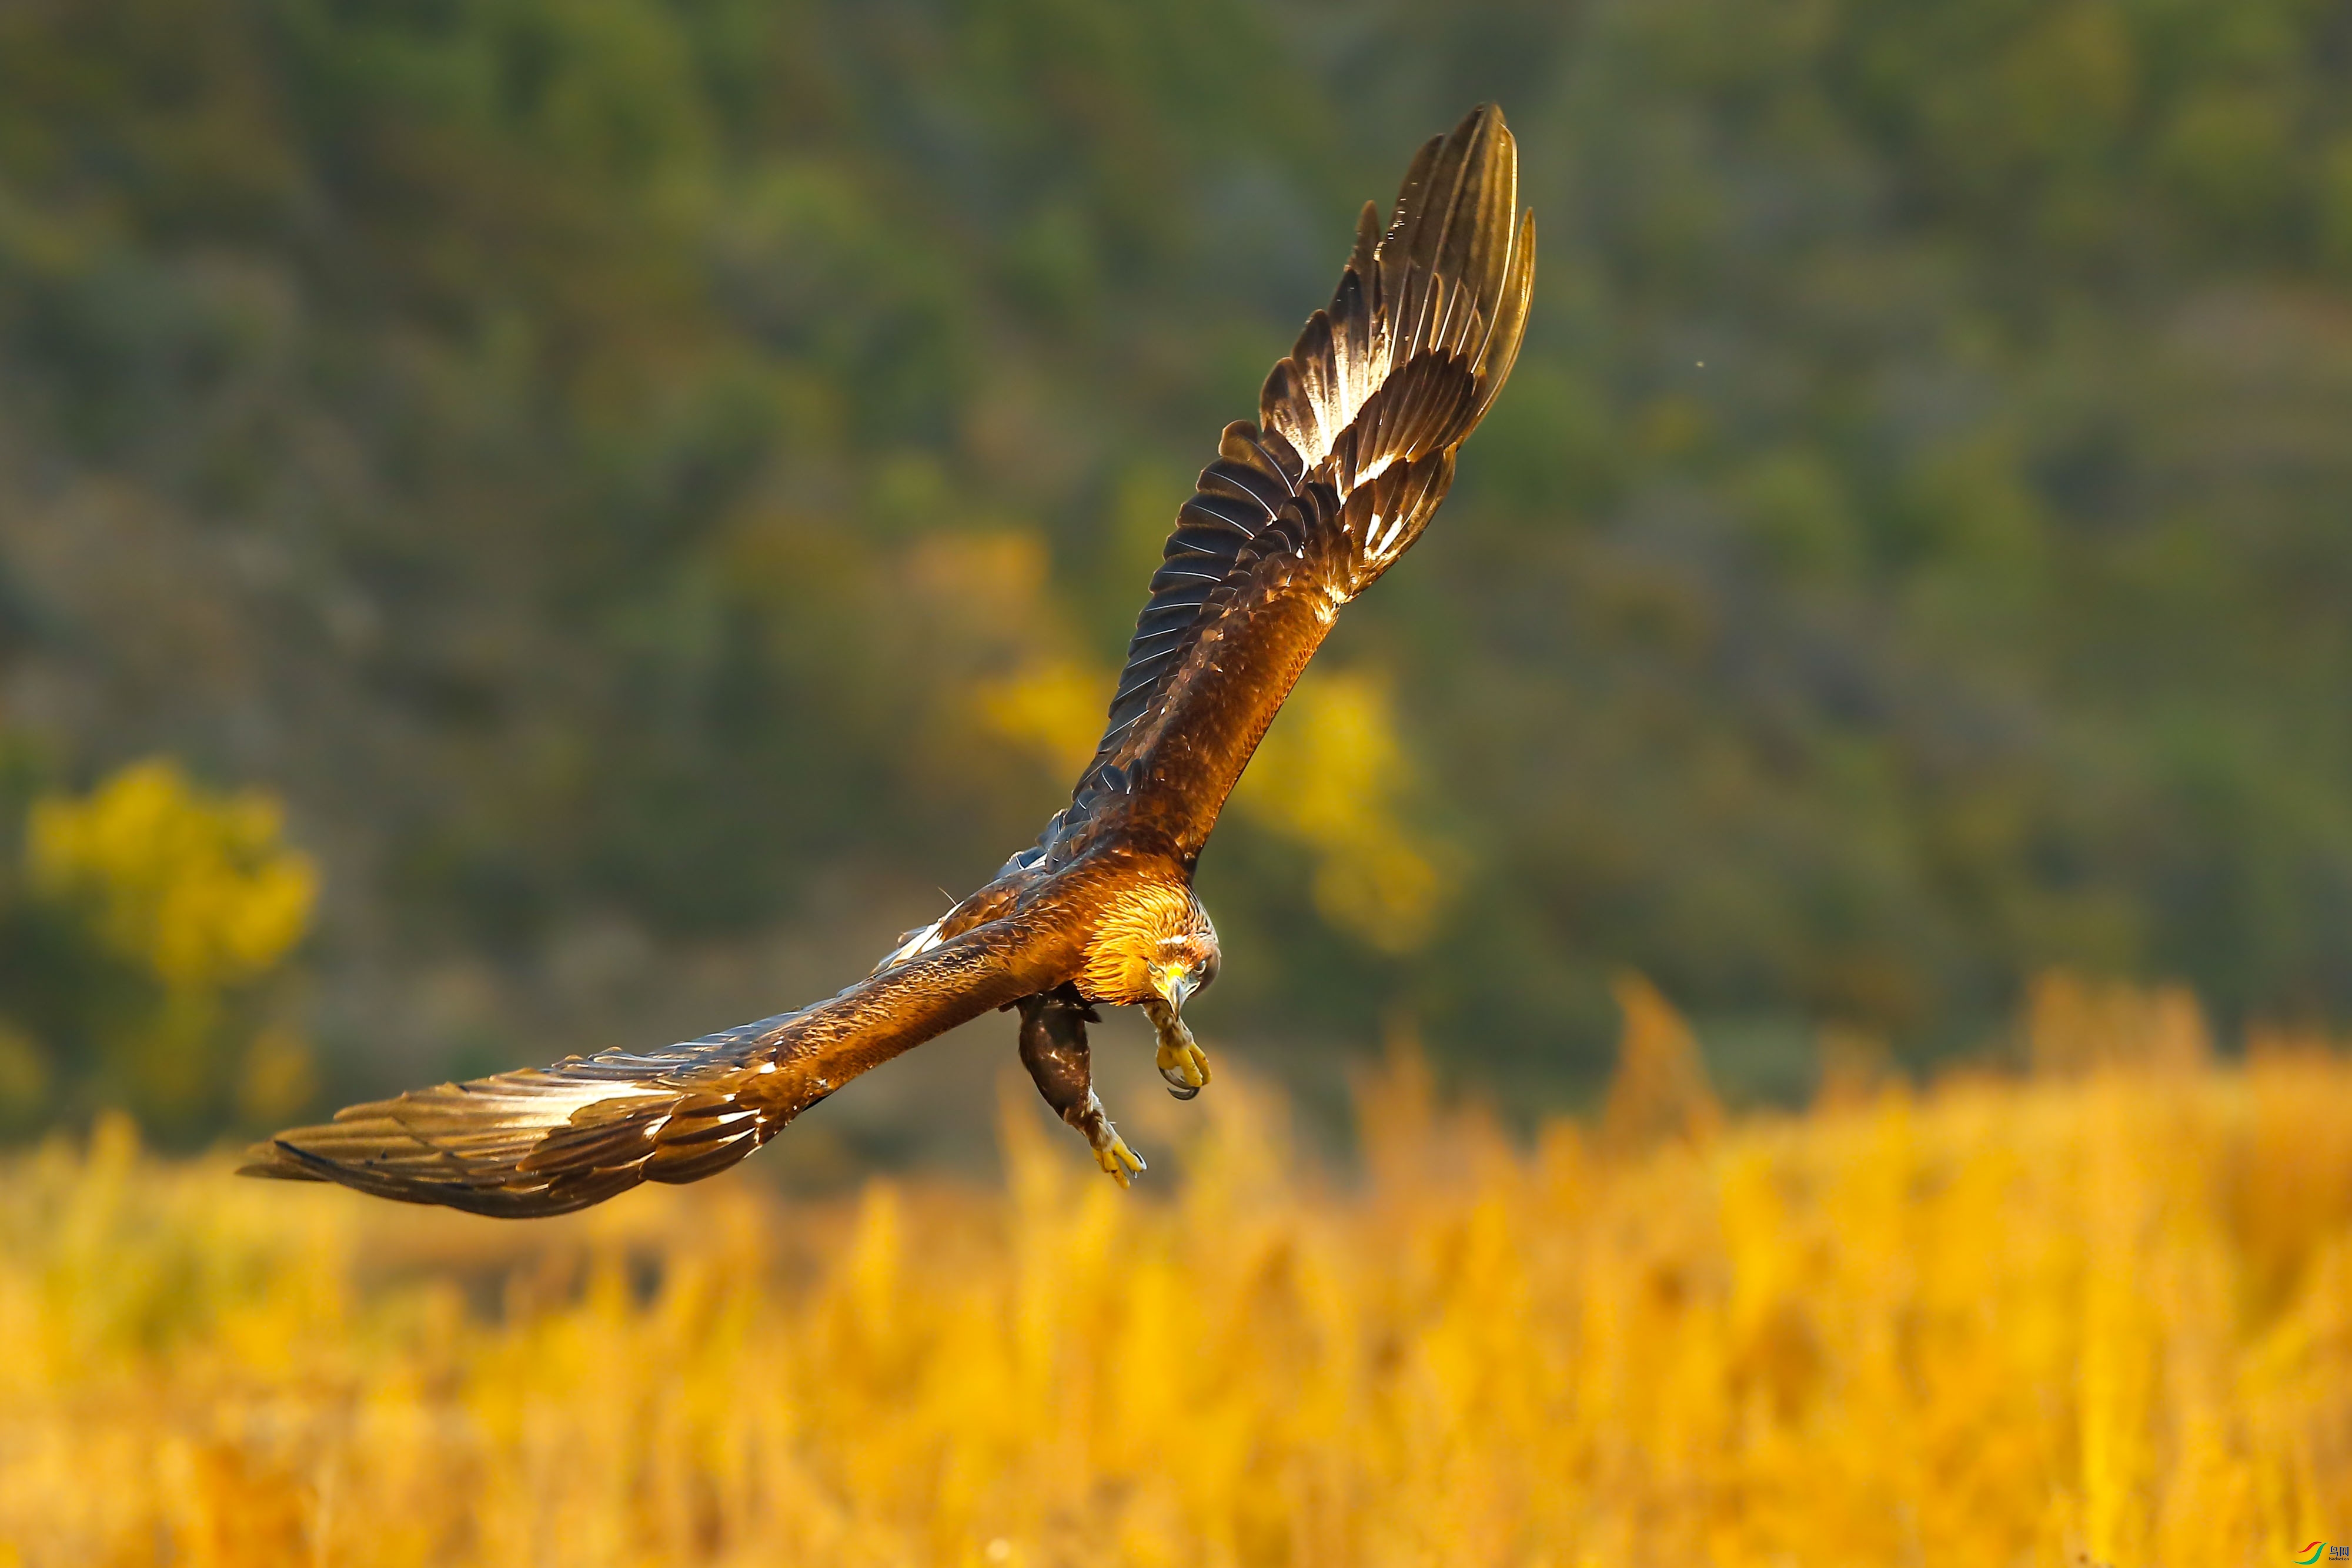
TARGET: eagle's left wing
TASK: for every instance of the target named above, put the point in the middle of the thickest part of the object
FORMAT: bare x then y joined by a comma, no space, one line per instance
548,1140
1352,453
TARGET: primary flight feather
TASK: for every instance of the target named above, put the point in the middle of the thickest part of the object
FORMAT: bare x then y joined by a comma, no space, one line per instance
1352,451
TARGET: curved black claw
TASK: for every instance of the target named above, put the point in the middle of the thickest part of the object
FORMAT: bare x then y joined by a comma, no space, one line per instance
1177,1084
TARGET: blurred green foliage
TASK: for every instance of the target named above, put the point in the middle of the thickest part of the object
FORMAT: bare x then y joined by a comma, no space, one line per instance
145,936
562,445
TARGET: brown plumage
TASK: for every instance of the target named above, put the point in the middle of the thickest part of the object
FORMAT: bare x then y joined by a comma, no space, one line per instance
1352,452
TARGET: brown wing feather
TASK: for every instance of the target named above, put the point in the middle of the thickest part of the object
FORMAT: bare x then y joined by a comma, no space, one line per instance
548,1140
1352,454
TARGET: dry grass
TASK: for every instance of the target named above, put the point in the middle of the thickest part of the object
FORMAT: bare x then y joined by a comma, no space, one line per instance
2103,1311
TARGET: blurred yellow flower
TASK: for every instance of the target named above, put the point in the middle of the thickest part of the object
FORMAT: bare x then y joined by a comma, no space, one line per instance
1052,708
278,1078
194,886
24,1072
2095,1315
1328,776
1661,1091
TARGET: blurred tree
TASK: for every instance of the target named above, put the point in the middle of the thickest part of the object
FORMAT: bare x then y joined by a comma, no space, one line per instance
642,474
140,940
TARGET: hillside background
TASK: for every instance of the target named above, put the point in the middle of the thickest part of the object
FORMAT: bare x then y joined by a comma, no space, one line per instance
656,491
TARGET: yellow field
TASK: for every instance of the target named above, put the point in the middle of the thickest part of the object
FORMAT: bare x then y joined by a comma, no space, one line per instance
2103,1311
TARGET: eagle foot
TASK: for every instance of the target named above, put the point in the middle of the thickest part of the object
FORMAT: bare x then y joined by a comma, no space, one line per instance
1054,1049
1121,1163
1181,1060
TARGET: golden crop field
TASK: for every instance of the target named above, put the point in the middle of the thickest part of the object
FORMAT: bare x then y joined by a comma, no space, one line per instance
2098,1310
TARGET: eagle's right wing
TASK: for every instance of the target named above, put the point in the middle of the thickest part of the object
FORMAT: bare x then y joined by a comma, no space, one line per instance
548,1140
1353,451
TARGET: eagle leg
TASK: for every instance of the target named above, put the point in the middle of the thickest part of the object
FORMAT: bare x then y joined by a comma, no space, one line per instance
1181,1061
1054,1049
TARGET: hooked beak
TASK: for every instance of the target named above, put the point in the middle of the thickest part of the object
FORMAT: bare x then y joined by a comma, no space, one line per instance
1175,985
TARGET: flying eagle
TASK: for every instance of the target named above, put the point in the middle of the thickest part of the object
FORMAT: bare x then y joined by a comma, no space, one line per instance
1352,452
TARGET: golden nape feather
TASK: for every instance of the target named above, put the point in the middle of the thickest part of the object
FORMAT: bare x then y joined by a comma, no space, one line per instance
1139,927
1354,449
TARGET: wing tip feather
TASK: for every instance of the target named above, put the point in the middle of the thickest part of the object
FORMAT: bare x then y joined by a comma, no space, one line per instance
271,1160
1421,332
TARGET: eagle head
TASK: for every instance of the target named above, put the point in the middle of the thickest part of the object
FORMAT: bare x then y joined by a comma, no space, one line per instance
1152,942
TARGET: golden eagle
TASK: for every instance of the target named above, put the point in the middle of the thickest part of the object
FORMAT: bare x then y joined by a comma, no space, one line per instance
1352,453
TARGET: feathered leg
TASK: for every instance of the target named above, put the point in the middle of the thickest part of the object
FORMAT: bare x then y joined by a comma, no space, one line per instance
1054,1049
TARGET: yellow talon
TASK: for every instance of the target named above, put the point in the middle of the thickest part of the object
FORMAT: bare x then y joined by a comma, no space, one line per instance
1181,1061
1123,1162
1184,1058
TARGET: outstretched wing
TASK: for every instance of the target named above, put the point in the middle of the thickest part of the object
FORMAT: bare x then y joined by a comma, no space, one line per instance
1352,452
548,1140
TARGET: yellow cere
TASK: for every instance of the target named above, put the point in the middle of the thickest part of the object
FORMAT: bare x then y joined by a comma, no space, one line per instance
2093,1310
